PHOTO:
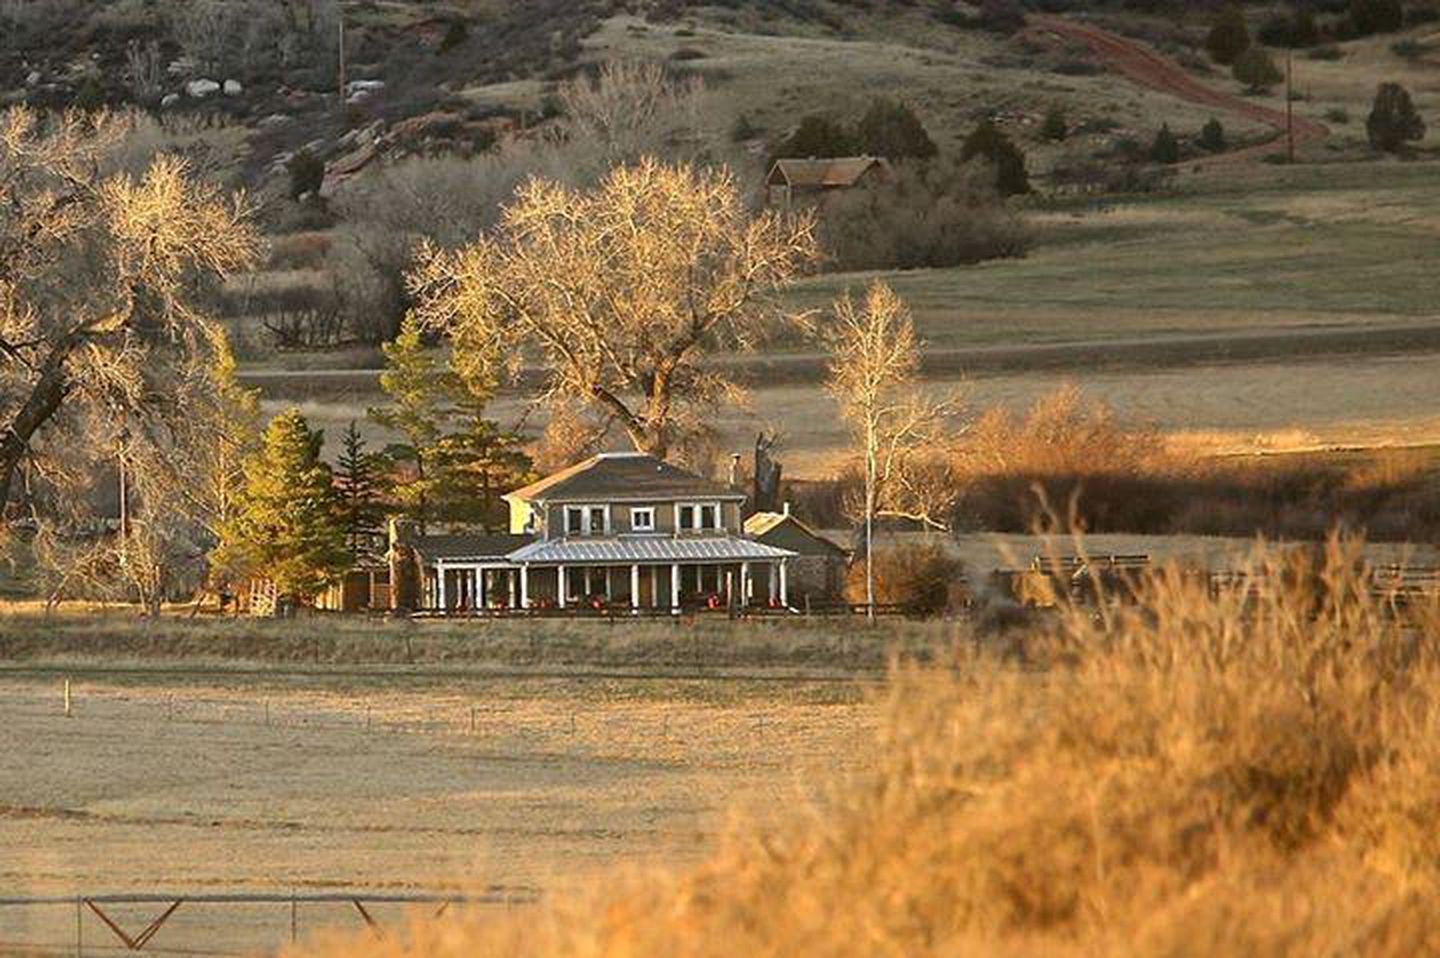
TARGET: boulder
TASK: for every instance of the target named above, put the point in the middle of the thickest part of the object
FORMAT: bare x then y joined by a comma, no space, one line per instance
33,78
274,120
169,100
200,89
233,88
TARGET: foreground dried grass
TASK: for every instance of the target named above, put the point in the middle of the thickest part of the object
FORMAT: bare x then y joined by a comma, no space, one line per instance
1189,776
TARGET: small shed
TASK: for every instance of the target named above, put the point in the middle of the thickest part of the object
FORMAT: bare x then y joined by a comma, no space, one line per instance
790,179
818,572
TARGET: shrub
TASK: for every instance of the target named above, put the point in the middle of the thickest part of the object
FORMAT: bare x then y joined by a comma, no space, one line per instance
921,577
926,214
1229,36
1409,49
1165,149
989,142
742,129
1328,52
1376,16
307,174
1001,16
1054,128
1256,70
1337,114
1393,121
455,34
1212,136
891,129
819,136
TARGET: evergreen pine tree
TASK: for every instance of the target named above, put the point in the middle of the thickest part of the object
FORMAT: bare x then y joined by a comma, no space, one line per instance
989,143
1229,37
288,528
416,383
891,129
1393,121
1256,70
357,476
1212,136
818,136
1054,128
1165,149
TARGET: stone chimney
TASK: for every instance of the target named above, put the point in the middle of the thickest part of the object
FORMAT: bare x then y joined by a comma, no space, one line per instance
734,468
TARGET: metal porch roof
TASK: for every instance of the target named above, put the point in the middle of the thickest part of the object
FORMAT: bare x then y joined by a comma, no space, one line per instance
636,549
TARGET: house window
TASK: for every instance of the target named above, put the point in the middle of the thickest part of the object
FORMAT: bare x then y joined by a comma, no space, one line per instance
642,519
700,515
586,520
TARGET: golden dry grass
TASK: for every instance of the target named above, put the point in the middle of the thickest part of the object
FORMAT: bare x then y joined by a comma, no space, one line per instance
1193,776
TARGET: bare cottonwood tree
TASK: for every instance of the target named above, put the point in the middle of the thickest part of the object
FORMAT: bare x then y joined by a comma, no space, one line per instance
622,290
99,273
633,109
902,434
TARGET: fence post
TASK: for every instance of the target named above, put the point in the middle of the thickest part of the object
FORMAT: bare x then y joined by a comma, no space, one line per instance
79,930
67,698
293,910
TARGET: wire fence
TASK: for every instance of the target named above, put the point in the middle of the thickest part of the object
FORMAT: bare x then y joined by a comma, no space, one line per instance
110,923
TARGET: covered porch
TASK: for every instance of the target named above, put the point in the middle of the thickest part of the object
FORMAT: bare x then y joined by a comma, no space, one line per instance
617,574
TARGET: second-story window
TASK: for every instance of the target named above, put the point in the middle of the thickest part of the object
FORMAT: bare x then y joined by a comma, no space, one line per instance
642,519
587,520
700,515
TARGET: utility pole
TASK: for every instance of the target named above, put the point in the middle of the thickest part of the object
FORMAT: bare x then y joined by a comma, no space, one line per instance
341,87
1290,104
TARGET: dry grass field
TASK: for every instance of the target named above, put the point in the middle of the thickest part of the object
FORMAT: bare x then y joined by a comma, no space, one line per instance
222,782
1267,786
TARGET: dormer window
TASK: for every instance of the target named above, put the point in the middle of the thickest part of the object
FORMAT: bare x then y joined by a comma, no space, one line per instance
587,520
642,519
698,516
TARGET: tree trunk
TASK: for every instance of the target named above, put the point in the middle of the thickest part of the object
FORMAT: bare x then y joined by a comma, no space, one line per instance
44,400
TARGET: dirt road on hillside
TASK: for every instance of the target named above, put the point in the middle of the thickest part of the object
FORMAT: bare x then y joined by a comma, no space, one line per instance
1144,67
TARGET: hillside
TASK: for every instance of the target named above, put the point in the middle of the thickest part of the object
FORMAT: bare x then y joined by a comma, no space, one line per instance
476,70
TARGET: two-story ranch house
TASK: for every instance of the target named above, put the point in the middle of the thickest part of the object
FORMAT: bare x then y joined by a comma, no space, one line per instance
620,530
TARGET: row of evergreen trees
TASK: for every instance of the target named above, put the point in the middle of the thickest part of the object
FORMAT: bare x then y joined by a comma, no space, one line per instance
302,523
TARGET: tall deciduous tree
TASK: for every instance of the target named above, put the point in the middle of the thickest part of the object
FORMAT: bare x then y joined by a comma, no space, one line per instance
1229,36
99,273
289,527
874,362
620,291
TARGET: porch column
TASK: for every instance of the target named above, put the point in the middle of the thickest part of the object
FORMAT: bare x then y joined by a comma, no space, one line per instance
675,587
771,593
635,588
744,584
479,587
524,587
440,587
560,585
512,582
784,599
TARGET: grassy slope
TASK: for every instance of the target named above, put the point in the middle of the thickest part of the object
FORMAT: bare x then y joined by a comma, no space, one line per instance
1268,247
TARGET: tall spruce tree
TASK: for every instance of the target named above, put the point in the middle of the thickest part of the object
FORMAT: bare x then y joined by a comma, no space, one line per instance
1165,149
1393,121
288,528
987,142
417,384
358,478
891,129
1229,37
818,136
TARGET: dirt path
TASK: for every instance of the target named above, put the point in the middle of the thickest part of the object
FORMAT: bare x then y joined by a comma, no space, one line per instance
1144,67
